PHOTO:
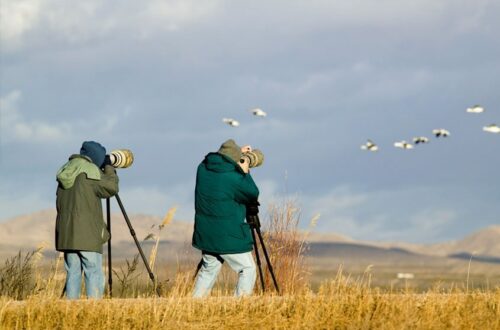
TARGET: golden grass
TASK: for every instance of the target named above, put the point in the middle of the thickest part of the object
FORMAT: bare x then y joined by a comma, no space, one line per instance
286,246
335,306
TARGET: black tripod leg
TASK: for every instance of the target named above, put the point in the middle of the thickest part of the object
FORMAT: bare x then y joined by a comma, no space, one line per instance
269,265
110,264
257,256
198,267
132,232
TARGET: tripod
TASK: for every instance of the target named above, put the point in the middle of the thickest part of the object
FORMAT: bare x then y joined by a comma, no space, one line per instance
132,232
254,222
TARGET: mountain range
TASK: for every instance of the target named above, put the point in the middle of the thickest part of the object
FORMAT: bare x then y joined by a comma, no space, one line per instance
32,230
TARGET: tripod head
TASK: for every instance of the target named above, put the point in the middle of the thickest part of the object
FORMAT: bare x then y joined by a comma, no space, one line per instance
253,214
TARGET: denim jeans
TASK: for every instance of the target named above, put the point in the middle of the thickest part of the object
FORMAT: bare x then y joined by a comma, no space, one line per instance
242,263
91,264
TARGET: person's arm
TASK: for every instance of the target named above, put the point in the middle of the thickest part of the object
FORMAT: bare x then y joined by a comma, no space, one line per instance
246,190
108,185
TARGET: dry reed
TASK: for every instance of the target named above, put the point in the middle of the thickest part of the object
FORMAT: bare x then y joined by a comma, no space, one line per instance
286,246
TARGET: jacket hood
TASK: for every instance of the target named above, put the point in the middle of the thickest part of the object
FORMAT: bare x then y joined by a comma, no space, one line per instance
77,165
220,163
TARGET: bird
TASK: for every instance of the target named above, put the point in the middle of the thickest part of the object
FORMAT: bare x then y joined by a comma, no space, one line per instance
475,109
440,132
493,128
231,122
258,112
403,145
370,146
420,139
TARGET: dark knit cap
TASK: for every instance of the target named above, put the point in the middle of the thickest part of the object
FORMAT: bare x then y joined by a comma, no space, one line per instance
231,149
94,151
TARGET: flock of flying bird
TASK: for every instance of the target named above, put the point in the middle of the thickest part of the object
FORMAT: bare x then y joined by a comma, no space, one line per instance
438,133
233,122
371,146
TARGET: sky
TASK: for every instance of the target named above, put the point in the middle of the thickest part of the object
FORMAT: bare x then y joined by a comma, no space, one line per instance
158,76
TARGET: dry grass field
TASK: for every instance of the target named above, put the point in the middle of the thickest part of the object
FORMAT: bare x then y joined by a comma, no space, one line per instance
336,305
30,296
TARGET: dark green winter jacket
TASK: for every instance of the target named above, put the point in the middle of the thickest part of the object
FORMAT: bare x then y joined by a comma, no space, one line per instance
80,224
221,193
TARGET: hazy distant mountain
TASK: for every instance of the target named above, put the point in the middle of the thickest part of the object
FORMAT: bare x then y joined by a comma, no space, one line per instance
29,231
485,242
32,230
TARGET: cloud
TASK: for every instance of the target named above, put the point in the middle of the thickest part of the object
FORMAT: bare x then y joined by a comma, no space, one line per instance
381,215
17,17
43,22
15,128
157,200
92,20
160,15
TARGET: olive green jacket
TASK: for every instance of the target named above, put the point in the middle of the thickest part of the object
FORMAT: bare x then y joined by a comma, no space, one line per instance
80,223
221,193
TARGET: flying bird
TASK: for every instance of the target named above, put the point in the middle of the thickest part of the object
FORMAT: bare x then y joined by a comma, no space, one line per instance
231,122
403,145
370,146
258,112
440,132
493,128
475,109
420,139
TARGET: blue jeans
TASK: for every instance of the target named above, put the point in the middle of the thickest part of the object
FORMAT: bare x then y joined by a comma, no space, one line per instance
242,263
91,264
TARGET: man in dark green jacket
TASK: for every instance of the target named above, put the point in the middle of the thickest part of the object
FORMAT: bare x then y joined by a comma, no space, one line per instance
223,187
80,228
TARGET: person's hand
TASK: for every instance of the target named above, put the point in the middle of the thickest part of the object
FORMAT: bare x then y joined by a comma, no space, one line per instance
244,164
246,149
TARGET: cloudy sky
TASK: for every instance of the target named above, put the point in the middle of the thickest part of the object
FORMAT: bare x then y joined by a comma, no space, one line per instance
157,76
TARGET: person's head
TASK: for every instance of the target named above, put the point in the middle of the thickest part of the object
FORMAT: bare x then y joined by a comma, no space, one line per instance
231,150
95,151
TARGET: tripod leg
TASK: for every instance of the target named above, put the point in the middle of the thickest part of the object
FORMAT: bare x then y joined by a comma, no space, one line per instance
198,267
267,260
110,272
257,256
132,232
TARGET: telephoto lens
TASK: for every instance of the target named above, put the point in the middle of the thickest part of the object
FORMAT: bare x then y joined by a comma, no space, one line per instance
121,158
255,158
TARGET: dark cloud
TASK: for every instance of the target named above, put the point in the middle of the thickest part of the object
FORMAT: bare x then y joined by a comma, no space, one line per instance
158,77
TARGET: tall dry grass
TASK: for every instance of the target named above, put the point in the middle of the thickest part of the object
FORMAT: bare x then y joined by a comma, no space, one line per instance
339,304
286,245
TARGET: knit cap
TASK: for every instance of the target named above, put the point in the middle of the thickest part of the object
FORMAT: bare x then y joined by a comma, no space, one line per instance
231,150
94,151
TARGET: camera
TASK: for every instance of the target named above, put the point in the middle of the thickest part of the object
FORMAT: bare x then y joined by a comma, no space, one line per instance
255,158
120,158
252,214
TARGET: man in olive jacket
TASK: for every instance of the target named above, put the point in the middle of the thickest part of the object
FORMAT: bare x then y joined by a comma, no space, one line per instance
80,228
223,187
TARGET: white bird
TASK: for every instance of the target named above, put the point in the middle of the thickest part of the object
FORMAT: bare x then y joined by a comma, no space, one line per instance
493,128
420,139
258,112
403,145
370,146
475,109
231,122
440,132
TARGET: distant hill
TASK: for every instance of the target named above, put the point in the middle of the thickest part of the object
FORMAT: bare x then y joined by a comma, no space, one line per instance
484,243
29,231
